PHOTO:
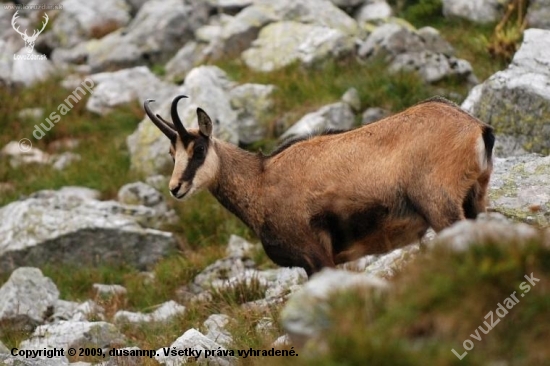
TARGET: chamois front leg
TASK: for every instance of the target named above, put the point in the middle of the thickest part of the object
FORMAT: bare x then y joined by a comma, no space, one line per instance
309,254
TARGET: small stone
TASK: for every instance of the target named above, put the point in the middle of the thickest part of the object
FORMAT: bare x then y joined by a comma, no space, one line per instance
109,290
351,97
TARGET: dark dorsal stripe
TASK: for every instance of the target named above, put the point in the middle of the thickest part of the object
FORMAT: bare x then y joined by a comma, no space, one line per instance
292,141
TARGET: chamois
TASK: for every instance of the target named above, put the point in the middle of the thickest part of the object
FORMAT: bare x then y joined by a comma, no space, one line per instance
324,200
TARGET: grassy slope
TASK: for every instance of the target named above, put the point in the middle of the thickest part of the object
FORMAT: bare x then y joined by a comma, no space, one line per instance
204,226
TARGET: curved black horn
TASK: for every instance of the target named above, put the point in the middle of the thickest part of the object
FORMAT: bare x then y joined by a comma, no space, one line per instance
159,122
176,118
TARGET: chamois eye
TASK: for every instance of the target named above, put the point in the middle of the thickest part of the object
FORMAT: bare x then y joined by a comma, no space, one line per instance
199,150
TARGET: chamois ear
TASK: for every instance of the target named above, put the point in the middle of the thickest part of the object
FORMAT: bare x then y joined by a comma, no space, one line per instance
205,123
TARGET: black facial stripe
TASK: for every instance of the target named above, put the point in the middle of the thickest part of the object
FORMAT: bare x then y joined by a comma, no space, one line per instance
196,160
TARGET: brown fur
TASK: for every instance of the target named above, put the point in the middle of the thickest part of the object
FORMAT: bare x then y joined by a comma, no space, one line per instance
334,198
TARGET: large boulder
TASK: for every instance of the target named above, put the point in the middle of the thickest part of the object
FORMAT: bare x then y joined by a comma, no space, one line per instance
27,299
423,51
159,29
69,227
199,344
74,334
373,10
479,11
122,87
516,101
81,20
306,313
253,104
520,188
29,68
336,116
283,43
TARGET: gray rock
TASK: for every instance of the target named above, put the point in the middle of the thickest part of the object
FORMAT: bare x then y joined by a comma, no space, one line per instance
283,281
283,43
193,339
112,52
139,193
26,72
173,23
81,20
222,270
387,265
9,360
516,101
506,145
66,334
239,247
479,11
306,313
351,97
373,114
164,312
391,40
317,12
372,11
433,67
434,42
187,58
520,188
466,233
238,32
216,329
27,299
337,116
109,290
63,310
207,87
63,160
59,227
113,89
538,14
423,51
70,310
20,153
88,310
162,26
282,341
253,103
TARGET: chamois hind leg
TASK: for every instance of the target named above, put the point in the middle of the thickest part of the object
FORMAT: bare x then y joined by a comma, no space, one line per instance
476,199
440,209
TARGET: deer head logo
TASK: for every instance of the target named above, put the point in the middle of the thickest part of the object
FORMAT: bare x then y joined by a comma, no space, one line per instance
29,40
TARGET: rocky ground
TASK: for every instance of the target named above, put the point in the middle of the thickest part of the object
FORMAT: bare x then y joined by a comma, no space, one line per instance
93,255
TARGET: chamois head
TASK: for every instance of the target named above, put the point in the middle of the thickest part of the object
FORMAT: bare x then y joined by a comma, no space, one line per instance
195,161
